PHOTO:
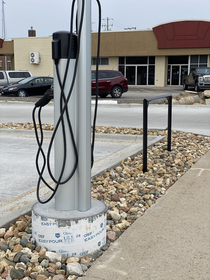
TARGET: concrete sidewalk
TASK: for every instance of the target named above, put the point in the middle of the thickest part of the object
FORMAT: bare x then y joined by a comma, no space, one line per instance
171,241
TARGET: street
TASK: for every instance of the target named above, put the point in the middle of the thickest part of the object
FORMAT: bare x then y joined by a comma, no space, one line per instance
188,118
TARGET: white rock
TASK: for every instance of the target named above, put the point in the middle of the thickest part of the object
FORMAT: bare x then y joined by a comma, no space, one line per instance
38,269
26,250
207,93
115,216
20,265
125,224
124,215
53,257
72,260
34,257
2,232
133,210
74,269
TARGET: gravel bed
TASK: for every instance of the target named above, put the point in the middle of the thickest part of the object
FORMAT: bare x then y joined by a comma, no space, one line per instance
125,189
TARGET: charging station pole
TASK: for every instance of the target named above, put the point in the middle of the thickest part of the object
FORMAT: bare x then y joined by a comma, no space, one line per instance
84,109
72,224
76,194
66,197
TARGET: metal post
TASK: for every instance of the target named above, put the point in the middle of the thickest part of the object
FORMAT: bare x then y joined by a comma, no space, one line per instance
76,193
145,120
169,121
66,195
84,109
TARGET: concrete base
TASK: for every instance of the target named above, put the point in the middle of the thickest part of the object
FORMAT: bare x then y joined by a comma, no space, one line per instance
69,233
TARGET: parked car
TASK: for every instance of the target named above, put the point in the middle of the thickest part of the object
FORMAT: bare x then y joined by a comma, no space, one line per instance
109,82
192,80
204,82
29,86
12,76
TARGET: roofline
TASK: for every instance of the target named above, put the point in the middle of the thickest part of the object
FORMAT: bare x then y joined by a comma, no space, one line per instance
180,21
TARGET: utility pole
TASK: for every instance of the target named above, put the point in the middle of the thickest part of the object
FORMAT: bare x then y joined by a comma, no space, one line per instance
4,31
107,24
3,21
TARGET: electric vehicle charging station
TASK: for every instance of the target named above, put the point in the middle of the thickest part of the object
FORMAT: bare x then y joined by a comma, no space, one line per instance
72,223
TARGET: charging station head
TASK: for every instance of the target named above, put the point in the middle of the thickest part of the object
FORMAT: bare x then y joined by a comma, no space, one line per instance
61,44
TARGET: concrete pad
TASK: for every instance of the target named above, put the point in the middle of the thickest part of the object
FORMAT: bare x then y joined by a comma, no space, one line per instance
170,241
18,171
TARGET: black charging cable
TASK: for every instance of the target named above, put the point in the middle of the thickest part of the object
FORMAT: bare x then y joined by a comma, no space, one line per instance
61,120
96,102
63,110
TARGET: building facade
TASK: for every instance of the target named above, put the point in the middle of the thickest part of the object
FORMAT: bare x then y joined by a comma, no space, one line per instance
157,57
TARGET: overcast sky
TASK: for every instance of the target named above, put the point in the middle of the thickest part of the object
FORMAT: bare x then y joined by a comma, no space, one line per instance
48,16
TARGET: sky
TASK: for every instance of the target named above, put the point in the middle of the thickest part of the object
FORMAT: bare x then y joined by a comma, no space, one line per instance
48,16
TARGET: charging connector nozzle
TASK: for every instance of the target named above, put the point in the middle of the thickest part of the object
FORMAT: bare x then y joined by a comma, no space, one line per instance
45,98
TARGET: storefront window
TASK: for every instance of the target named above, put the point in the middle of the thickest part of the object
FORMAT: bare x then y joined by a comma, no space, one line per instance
122,69
193,66
139,70
121,60
194,59
179,66
136,60
151,78
130,74
203,58
198,61
182,59
102,61
151,59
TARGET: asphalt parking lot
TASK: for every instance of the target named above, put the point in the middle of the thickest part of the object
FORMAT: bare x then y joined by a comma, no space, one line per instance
134,94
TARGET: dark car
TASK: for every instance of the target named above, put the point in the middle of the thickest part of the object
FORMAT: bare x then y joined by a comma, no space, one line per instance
29,86
109,82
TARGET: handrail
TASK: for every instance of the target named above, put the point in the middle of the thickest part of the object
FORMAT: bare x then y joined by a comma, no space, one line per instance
145,124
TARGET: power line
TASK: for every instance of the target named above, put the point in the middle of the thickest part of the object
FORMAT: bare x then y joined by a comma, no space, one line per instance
107,25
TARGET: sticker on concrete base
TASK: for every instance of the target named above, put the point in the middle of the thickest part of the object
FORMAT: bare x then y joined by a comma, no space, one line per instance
70,237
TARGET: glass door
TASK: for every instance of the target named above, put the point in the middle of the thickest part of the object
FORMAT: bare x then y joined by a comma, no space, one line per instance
141,75
175,75
130,74
184,71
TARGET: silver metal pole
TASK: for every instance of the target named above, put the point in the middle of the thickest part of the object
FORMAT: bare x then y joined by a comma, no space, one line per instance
76,194
84,109
66,195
